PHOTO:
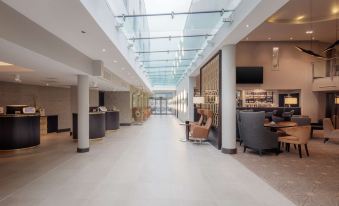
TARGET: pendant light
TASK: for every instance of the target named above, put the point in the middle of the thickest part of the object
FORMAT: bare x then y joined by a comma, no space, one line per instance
306,51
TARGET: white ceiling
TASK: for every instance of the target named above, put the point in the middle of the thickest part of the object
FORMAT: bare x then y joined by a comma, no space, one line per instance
293,20
66,19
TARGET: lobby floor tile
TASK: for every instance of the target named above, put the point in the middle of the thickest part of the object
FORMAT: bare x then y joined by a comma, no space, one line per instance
136,165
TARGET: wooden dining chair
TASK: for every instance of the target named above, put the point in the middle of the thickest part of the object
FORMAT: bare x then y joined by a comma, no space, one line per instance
298,136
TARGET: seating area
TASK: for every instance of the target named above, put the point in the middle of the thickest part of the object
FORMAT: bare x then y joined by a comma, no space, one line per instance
257,132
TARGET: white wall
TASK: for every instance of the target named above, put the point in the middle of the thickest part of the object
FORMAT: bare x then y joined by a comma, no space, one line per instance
186,87
295,71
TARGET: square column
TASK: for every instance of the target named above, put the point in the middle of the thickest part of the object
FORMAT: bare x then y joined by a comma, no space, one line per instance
83,113
228,100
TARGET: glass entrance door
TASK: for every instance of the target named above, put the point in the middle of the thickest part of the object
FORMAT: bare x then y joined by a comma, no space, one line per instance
160,106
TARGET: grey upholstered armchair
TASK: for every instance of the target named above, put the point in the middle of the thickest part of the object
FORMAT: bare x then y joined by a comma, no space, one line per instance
254,135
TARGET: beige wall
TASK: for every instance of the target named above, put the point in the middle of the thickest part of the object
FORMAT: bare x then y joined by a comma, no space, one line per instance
122,101
55,100
295,71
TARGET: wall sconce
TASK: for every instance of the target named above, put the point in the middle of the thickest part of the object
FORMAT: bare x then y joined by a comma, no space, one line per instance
275,60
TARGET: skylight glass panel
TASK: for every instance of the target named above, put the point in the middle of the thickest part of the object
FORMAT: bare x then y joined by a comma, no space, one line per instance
168,35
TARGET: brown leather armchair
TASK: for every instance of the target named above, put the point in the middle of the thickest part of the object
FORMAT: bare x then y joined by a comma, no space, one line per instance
200,132
201,119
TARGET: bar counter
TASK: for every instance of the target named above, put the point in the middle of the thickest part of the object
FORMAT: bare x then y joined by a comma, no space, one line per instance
19,131
280,110
112,120
97,126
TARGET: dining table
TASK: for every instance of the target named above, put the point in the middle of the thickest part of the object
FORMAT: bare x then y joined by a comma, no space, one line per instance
278,125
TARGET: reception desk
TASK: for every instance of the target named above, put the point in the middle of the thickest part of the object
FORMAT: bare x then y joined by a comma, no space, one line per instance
18,131
112,120
97,126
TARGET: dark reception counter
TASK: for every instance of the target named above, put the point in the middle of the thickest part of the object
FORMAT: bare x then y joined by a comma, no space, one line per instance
112,120
97,126
18,131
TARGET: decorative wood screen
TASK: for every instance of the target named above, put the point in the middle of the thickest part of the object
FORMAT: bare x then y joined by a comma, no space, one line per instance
209,84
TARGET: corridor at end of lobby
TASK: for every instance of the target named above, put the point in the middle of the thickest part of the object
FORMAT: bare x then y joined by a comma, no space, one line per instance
135,165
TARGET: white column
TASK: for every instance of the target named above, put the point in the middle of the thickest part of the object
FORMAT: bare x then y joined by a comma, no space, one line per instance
228,100
191,84
83,113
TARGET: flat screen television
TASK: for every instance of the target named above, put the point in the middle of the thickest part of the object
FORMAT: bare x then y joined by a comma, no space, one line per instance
250,75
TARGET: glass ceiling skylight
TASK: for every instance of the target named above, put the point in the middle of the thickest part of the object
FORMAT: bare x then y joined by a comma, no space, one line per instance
169,35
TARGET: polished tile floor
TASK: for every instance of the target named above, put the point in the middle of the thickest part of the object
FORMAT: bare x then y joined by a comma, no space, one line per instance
136,165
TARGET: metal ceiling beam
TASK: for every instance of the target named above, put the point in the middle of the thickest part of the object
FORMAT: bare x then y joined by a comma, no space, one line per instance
177,71
167,51
172,14
170,37
166,60
167,67
165,75
165,72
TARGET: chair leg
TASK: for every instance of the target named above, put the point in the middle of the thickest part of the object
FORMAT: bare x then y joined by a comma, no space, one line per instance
279,145
306,148
277,151
240,142
326,140
244,149
295,146
260,153
299,148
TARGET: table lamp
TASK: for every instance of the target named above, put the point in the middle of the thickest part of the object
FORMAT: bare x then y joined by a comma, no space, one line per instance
290,100
198,100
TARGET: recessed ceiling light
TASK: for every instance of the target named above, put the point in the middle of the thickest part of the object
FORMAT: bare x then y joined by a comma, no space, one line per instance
247,38
115,61
247,25
313,38
47,84
269,38
309,32
291,38
5,64
103,50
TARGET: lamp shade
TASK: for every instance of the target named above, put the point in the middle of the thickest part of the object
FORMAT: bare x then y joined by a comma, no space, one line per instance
336,100
290,100
198,100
